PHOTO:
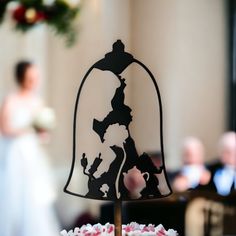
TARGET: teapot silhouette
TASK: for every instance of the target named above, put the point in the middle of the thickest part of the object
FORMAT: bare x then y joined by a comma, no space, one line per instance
135,181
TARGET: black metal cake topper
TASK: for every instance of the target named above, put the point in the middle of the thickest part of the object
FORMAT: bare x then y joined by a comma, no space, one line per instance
113,183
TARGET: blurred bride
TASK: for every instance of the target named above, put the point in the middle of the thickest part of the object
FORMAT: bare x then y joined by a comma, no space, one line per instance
26,193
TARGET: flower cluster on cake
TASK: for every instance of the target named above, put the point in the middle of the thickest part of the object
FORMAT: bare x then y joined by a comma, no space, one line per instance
132,229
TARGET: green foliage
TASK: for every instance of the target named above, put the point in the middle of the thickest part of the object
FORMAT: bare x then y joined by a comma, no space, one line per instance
59,16
3,5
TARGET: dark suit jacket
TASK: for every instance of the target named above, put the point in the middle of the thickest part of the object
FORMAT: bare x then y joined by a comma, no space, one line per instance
213,167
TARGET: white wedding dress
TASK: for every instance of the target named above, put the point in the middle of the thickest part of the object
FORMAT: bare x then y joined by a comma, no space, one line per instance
26,193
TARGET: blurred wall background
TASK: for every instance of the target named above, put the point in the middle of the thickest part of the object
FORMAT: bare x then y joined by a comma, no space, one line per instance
184,43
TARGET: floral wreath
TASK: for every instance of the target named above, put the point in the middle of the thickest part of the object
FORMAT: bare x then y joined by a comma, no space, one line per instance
59,15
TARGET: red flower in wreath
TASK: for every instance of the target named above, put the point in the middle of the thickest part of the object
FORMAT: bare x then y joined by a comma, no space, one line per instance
19,14
40,16
28,15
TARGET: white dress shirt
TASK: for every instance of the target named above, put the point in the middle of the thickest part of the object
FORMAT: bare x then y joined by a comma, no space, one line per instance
225,179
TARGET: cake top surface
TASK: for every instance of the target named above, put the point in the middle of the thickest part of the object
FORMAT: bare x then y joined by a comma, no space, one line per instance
132,229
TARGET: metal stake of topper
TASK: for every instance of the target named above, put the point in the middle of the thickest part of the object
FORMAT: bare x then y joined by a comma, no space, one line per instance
110,184
118,217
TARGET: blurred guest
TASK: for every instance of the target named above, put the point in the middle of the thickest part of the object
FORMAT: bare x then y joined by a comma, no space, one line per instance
193,172
25,188
224,177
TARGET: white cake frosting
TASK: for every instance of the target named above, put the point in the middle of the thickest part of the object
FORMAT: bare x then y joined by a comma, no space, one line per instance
132,229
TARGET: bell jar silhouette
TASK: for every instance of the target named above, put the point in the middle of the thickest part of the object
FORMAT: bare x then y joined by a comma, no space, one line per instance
111,157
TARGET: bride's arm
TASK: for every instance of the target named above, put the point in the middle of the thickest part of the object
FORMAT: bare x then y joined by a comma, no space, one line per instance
6,112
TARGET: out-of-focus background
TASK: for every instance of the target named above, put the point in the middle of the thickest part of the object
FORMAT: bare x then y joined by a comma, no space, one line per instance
187,44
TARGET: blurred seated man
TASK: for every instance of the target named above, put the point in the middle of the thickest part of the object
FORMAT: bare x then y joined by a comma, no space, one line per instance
193,173
224,177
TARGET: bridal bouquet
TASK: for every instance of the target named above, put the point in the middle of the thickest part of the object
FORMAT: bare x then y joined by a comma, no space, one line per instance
45,120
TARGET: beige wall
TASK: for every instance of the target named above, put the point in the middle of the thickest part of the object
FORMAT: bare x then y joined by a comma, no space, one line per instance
17,46
182,42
